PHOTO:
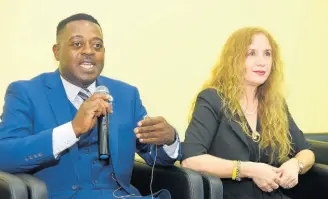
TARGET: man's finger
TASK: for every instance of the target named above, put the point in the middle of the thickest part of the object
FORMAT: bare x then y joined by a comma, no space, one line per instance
109,108
96,96
151,141
148,129
101,108
98,113
149,121
142,130
91,108
104,107
149,135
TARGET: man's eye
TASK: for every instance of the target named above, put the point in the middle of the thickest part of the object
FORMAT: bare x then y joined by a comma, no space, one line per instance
97,46
77,44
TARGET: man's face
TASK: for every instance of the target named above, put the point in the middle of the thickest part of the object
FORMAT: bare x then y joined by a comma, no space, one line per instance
80,52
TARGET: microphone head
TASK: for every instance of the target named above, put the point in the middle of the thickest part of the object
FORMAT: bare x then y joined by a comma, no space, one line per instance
102,90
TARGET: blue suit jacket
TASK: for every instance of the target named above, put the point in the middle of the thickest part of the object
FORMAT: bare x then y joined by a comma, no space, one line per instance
35,107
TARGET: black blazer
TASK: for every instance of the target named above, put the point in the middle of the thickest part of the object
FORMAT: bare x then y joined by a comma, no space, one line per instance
210,132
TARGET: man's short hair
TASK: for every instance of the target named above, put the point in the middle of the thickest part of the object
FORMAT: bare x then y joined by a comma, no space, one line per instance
76,17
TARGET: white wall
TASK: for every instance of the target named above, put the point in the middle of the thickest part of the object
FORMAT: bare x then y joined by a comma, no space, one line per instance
167,48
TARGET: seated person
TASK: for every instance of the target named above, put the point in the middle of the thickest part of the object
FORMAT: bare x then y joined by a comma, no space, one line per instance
49,128
240,128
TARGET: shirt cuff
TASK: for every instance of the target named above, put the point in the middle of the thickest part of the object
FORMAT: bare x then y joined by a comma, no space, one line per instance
173,150
63,137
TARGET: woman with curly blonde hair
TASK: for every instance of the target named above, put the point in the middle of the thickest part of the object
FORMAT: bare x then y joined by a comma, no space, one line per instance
240,128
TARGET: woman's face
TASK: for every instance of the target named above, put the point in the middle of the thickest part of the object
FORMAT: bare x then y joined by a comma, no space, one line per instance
258,61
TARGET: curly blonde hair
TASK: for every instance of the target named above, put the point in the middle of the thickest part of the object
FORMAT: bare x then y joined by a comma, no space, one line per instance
227,78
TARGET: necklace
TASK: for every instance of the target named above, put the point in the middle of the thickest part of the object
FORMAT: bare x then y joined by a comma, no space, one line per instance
252,112
256,136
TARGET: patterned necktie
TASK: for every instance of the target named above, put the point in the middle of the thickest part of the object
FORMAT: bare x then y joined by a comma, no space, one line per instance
84,94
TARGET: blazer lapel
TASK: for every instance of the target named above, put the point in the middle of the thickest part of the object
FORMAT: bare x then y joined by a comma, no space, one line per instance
239,131
59,103
58,99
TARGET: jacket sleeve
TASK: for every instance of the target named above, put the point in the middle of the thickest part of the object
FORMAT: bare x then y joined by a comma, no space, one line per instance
22,149
149,151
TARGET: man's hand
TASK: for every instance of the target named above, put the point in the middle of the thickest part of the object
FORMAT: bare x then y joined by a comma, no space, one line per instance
155,130
289,177
86,116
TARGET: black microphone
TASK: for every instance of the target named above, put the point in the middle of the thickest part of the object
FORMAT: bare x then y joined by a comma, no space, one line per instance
103,129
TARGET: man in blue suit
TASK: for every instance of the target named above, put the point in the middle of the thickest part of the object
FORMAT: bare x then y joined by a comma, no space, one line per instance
48,124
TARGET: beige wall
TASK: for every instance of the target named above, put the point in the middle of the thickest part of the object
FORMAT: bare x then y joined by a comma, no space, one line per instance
167,48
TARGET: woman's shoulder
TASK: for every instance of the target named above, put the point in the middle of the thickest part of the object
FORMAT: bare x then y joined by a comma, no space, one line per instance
210,93
212,97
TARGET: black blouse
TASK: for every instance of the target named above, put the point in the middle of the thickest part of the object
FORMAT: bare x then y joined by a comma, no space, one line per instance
209,128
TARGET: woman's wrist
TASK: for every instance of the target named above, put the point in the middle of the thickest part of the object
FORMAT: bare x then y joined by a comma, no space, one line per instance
297,164
246,169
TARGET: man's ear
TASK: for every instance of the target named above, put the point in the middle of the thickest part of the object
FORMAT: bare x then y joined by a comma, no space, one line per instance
55,50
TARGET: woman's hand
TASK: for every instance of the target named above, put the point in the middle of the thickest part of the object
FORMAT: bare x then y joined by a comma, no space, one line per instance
266,177
289,176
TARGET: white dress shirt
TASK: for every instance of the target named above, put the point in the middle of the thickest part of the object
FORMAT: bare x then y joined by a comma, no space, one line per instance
64,137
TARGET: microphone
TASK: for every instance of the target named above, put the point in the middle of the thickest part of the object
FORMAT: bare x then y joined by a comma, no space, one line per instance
103,129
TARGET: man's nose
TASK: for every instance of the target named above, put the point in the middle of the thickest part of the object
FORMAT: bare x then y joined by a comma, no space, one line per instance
88,50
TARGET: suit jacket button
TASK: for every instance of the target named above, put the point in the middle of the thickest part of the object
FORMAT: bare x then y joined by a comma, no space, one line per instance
74,187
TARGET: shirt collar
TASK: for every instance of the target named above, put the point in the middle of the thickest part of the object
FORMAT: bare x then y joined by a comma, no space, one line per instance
72,90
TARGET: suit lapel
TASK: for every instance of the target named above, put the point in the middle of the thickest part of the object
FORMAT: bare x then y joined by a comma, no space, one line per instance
58,99
59,103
